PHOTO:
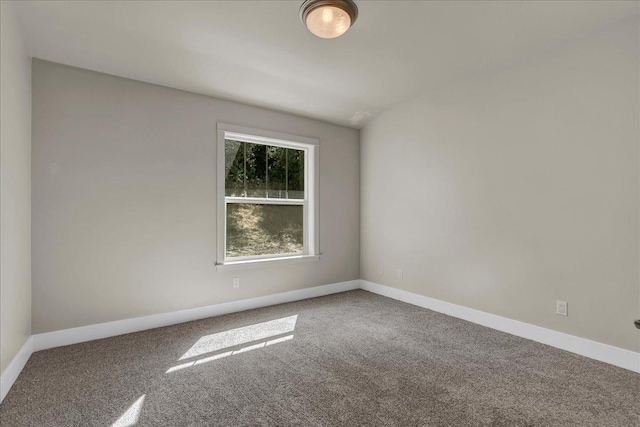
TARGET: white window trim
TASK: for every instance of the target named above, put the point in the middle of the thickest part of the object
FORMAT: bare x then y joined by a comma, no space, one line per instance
311,214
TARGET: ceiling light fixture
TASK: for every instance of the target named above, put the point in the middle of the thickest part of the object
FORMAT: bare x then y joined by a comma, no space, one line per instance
328,19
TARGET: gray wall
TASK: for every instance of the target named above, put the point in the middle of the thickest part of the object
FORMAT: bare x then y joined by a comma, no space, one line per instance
124,211
15,191
514,189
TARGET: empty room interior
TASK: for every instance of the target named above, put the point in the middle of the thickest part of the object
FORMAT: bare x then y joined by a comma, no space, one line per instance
320,213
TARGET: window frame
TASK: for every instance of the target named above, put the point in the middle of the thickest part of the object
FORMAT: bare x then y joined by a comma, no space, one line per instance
311,211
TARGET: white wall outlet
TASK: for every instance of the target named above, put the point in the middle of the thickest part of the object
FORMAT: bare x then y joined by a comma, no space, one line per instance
562,308
399,273
381,270
236,282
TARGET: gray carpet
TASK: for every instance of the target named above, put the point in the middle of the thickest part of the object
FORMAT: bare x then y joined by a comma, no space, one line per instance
350,359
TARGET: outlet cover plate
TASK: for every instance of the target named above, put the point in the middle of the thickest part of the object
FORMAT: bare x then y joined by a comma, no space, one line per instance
562,308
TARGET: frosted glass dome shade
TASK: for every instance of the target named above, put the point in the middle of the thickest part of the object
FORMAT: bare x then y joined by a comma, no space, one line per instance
328,22
328,19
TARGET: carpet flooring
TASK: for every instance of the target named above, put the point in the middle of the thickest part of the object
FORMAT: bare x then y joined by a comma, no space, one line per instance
349,359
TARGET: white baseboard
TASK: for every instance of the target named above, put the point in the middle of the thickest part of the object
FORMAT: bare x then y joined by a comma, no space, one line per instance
119,327
10,374
584,347
592,349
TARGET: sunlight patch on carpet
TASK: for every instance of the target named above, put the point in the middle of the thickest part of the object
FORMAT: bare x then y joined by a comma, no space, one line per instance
239,336
229,353
131,416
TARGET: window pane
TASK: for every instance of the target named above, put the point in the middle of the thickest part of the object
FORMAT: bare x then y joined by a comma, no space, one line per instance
256,159
234,168
264,229
277,172
295,161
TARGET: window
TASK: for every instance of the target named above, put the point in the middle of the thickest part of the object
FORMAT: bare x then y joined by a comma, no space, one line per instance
267,197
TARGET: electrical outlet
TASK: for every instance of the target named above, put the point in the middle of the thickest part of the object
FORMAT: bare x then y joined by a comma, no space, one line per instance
236,282
381,270
399,273
562,308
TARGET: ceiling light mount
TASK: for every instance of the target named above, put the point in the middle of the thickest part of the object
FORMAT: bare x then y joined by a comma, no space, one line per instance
328,19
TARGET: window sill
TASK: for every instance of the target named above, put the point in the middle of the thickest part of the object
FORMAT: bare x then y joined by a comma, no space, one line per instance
236,265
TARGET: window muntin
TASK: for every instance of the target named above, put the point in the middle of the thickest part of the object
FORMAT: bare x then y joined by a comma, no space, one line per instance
268,197
263,171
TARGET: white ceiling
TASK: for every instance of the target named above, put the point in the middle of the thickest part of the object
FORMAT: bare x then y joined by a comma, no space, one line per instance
260,53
